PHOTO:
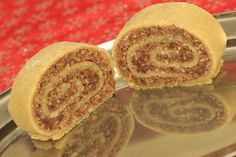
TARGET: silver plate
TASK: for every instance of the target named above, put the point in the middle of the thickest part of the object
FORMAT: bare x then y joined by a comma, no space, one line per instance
145,141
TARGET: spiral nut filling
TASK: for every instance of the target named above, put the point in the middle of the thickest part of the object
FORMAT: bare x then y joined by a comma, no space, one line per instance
89,80
143,63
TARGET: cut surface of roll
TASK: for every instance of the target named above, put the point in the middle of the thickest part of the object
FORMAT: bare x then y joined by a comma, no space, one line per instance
103,134
184,110
59,86
169,44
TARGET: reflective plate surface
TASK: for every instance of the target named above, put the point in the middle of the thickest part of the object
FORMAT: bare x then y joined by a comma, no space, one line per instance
170,122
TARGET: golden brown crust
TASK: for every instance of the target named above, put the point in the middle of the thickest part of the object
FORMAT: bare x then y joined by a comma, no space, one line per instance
166,45
59,87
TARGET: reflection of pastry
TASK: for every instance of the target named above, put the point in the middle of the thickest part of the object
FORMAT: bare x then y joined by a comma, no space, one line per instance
169,44
58,87
104,133
184,110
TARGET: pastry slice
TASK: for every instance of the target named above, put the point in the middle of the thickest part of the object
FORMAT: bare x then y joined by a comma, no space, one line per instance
169,44
59,86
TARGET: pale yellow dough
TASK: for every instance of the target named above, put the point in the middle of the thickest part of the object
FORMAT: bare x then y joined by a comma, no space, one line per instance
27,81
189,17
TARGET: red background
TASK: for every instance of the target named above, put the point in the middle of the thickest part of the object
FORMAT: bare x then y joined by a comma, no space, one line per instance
29,25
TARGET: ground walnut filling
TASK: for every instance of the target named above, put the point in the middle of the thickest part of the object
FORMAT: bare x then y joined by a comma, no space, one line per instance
65,88
89,80
173,39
